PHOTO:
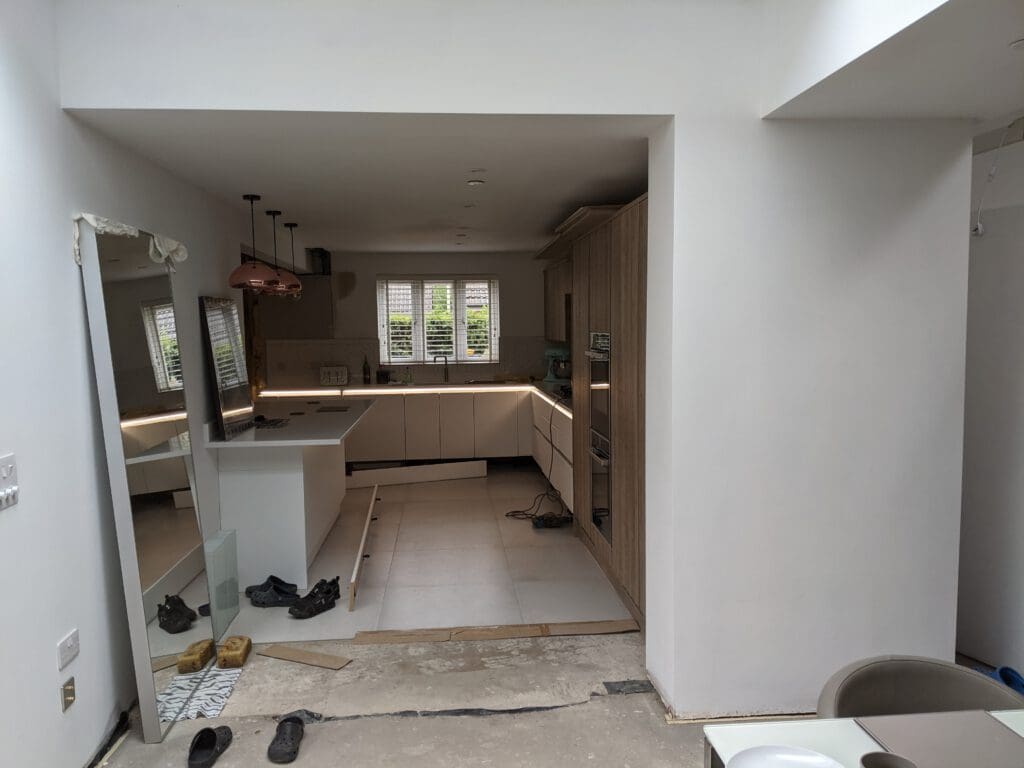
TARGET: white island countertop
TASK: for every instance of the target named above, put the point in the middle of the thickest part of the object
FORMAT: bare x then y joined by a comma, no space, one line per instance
308,424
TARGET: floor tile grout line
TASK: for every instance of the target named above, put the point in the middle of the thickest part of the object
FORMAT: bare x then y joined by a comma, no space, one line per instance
508,567
391,565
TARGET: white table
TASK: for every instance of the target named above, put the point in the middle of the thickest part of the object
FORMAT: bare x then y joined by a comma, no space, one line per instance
841,739
281,488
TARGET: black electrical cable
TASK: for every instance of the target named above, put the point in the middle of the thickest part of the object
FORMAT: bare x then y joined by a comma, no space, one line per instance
533,512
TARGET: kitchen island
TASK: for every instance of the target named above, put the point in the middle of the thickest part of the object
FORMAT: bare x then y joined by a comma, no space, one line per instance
281,486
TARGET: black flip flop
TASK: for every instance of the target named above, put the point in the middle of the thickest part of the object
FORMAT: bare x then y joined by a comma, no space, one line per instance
207,745
272,581
285,746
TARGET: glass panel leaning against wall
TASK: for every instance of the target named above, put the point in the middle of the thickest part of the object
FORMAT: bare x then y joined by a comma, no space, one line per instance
137,345
425,319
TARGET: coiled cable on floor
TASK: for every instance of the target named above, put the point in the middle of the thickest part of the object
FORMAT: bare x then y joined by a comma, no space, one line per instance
533,512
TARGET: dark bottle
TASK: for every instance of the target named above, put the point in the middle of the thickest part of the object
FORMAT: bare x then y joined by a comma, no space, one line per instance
366,370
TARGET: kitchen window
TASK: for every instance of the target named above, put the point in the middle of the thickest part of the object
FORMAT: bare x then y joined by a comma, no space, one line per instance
162,339
423,318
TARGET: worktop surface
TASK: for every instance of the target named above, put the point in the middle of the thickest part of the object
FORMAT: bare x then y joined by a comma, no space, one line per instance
308,423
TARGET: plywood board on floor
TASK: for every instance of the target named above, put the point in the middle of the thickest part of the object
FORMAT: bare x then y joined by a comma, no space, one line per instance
499,632
300,656
420,473
163,662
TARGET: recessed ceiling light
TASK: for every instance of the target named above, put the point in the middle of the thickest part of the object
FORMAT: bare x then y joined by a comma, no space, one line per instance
469,205
478,170
476,182
463,226
458,243
1018,45
460,234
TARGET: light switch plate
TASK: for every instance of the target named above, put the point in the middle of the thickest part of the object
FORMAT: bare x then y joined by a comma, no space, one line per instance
8,481
333,375
67,649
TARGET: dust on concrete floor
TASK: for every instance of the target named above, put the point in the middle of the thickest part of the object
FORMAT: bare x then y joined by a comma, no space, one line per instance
535,702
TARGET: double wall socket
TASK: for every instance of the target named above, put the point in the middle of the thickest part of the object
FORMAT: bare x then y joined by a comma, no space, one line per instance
8,480
67,649
67,694
333,375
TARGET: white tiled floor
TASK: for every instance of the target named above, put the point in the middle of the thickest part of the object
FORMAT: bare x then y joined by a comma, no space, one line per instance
444,554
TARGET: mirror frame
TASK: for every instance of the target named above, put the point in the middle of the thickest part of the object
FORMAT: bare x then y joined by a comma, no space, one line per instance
103,369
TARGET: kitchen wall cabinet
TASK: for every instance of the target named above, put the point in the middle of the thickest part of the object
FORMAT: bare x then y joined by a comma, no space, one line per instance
558,301
422,426
457,430
599,280
495,424
380,435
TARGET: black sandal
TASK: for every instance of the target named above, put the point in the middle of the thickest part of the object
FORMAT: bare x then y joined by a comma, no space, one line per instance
285,746
272,581
273,597
321,598
207,745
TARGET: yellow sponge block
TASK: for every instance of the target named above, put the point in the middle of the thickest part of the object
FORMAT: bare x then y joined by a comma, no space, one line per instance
234,652
196,656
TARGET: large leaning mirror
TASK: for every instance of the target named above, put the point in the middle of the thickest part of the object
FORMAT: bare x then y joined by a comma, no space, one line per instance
136,345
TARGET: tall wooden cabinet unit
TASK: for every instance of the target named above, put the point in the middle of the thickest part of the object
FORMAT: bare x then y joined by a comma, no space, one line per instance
610,270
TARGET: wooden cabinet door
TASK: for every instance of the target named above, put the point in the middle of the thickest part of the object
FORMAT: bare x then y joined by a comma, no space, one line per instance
495,424
557,293
422,427
380,434
599,273
457,430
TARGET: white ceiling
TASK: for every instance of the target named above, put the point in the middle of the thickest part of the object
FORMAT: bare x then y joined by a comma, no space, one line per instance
954,62
126,258
397,183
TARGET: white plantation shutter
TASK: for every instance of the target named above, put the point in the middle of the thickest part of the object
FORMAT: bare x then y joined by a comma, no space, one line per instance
162,340
421,318
226,342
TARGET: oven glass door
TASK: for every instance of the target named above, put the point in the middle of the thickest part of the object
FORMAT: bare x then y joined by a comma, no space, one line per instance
600,420
601,485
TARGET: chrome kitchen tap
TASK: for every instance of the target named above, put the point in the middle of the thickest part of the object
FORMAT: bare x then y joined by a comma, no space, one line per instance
445,358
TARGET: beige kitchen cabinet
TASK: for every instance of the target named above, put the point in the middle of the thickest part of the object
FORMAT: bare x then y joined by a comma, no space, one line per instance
457,429
495,424
561,433
561,477
524,424
542,452
380,434
422,426
542,414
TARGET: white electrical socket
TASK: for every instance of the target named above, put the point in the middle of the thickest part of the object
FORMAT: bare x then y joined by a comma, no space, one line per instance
333,375
67,649
8,481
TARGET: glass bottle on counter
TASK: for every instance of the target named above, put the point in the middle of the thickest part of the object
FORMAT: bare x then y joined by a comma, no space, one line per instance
366,370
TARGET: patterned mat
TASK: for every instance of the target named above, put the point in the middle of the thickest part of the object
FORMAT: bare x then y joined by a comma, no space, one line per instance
199,694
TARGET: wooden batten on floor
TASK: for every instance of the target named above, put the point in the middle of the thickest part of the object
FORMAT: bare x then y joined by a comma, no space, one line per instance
498,632
420,473
300,656
357,569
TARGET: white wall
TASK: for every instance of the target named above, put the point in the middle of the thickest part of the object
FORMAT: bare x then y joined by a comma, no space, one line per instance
991,617
521,300
808,40
57,549
807,299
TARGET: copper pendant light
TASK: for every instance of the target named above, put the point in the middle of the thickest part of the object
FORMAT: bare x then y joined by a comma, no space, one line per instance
251,275
292,284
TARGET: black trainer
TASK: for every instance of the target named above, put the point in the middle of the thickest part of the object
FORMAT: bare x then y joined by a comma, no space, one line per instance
321,598
172,619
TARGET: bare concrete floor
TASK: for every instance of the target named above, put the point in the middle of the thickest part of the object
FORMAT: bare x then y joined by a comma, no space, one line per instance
536,702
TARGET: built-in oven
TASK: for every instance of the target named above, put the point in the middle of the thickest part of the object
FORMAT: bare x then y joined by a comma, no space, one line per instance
600,434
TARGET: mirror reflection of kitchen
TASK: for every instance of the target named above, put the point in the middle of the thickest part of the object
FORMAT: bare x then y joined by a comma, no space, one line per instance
154,429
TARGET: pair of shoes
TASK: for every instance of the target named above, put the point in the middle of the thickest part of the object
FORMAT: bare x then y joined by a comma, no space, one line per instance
271,581
173,616
207,745
285,746
320,598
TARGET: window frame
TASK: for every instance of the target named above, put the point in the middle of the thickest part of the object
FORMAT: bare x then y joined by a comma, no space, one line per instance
163,376
419,342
